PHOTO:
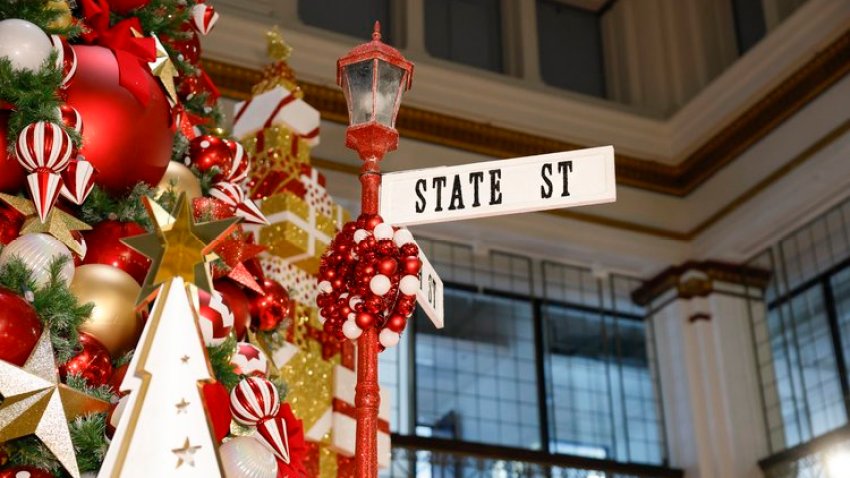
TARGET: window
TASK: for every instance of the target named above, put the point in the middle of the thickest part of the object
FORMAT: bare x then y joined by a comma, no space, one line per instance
566,373
570,44
465,31
600,389
349,17
802,333
750,26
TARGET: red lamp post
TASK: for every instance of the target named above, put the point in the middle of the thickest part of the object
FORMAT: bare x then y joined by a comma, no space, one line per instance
373,77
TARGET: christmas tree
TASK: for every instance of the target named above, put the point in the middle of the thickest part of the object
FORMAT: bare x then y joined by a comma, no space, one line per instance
135,316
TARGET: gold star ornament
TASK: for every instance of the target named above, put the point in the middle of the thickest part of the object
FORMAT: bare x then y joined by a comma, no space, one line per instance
181,250
36,403
58,223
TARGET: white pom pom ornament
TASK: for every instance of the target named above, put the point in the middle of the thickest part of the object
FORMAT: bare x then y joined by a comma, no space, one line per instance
351,330
409,285
389,338
360,234
383,231
402,237
380,285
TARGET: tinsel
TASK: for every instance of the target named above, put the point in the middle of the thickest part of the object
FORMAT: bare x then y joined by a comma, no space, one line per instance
36,11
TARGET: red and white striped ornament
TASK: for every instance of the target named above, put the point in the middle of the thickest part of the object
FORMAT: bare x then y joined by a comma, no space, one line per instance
240,163
215,317
78,180
253,400
233,195
204,18
44,149
273,431
66,59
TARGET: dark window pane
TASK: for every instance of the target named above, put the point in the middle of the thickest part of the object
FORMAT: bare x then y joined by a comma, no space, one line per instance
570,48
749,23
465,31
349,17
601,394
475,379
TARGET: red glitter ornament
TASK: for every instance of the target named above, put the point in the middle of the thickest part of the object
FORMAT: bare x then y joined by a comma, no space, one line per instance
93,362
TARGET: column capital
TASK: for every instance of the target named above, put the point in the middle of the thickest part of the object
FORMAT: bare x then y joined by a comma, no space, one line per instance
698,279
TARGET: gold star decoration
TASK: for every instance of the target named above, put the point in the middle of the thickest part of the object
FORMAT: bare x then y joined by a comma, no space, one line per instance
181,250
162,67
186,453
58,223
36,403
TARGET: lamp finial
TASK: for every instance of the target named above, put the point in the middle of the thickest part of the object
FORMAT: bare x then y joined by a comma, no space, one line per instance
376,33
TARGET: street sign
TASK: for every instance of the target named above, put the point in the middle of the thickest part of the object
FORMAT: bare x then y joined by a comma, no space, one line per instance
430,293
492,188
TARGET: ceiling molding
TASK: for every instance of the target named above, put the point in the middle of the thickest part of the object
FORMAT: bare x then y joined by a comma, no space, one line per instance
792,94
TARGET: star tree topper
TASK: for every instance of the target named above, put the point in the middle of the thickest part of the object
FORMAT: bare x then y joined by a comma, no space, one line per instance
36,403
180,250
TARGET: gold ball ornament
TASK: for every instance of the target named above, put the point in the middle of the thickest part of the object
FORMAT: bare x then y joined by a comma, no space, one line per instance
65,18
114,321
179,179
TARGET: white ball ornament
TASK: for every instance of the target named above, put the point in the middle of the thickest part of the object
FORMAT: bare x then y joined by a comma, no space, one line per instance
352,302
402,237
360,234
409,285
24,44
389,338
383,231
247,457
325,287
351,330
37,251
380,285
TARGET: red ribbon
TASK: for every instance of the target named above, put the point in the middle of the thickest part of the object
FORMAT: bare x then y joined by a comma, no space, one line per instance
132,53
349,410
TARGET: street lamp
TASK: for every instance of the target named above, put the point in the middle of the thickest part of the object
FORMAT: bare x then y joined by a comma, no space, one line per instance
373,76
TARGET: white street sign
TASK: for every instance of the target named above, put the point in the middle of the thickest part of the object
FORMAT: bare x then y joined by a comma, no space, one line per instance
430,293
492,188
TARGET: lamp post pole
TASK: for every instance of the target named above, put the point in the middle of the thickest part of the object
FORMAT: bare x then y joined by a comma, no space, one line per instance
373,77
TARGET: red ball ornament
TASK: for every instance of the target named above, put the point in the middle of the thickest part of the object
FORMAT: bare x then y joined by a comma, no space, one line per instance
364,320
10,222
20,328
373,221
13,175
208,151
397,323
409,249
217,401
105,247
24,472
93,362
387,266
125,140
239,305
269,310
411,265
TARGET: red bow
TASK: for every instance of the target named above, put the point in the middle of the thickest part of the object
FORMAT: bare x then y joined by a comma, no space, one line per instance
132,53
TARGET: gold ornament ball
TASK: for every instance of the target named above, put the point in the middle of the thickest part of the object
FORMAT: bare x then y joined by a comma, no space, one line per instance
114,321
65,18
179,179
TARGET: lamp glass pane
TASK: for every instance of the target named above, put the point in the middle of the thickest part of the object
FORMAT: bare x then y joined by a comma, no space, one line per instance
389,84
360,90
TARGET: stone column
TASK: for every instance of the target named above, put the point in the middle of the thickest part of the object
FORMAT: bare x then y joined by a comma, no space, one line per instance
707,367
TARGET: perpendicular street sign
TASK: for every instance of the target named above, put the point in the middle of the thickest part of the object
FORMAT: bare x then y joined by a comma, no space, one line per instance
492,188
430,293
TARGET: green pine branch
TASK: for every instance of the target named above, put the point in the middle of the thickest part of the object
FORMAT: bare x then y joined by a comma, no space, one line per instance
39,13
220,356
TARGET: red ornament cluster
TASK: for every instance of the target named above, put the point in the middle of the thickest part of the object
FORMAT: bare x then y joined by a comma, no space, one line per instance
369,278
